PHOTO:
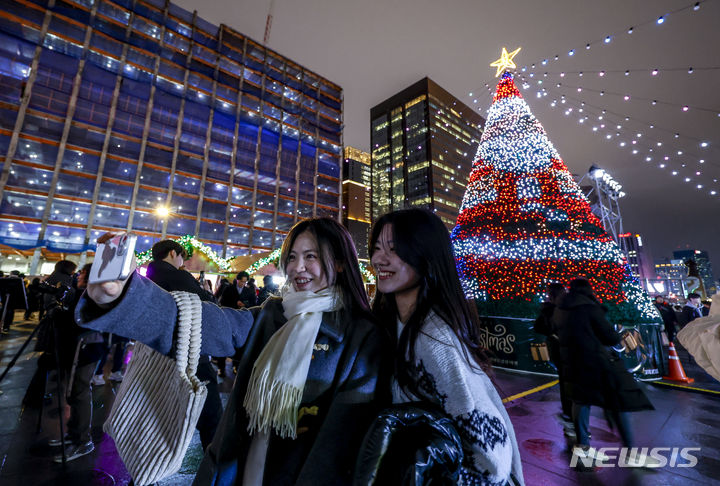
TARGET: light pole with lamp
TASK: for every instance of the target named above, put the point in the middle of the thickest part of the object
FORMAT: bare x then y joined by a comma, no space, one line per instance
161,212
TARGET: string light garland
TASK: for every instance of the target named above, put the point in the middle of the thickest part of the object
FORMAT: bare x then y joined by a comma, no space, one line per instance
625,96
524,222
367,275
688,161
613,126
272,259
585,106
659,20
190,244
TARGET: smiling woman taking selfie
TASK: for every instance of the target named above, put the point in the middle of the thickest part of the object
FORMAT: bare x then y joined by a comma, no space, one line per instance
308,376
439,361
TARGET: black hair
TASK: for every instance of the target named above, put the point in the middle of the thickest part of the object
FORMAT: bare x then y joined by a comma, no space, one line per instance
422,241
162,249
267,279
555,290
693,295
65,266
242,274
581,285
338,258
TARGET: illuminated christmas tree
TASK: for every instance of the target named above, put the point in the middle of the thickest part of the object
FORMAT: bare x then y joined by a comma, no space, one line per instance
524,223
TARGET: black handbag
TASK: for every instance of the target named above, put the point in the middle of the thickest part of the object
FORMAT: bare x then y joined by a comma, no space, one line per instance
410,444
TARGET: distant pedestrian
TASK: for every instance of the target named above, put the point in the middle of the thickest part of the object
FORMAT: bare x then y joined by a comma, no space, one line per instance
164,269
34,298
691,309
668,316
269,289
224,283
545,325
706,307
239,295
10,311
595,374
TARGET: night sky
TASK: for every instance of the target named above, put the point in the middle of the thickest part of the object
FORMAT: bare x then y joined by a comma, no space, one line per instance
375,48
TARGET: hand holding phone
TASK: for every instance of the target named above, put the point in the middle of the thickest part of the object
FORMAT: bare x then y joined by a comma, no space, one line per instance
114,263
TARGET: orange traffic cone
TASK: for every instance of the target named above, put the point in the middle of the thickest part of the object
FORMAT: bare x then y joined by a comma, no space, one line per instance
677,373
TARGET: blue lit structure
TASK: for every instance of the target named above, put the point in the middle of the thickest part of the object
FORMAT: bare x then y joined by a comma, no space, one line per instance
109,110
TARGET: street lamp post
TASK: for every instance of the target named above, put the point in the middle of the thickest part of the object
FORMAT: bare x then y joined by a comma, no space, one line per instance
161,212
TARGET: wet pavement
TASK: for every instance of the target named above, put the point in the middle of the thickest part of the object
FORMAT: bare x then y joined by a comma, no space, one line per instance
683,418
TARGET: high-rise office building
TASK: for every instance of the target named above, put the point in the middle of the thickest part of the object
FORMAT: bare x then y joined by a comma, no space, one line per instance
356,197
423,140
702,259
115,113
672,274
641,264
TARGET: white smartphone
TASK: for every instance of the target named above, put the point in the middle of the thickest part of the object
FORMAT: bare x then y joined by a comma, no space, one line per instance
113,259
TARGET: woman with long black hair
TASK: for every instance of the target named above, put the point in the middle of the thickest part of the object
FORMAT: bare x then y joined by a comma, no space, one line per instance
420,300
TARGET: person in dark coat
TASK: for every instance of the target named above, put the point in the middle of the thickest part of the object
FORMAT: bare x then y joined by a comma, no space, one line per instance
668,316
691,309
34,298
221,288
705,311
80,351
239,295
164,270
545,325
62,275
10,311
595,374
269,289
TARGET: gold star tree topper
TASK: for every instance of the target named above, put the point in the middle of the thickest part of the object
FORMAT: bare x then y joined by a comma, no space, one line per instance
505,62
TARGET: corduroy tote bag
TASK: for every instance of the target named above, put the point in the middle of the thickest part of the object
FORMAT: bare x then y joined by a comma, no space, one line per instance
159,401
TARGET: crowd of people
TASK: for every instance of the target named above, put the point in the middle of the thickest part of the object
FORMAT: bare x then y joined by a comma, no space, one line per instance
318,365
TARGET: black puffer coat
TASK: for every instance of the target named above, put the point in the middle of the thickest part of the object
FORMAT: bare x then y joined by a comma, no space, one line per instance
595,374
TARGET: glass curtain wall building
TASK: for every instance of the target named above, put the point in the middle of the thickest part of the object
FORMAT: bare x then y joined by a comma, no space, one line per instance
423,141
702,259
357,180
110,110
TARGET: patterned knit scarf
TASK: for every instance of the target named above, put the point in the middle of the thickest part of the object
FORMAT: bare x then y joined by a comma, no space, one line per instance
278,377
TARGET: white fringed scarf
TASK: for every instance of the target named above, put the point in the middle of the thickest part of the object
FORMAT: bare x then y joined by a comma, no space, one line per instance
278,377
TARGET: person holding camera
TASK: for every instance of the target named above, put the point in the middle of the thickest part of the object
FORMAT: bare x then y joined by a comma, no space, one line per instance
80,352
